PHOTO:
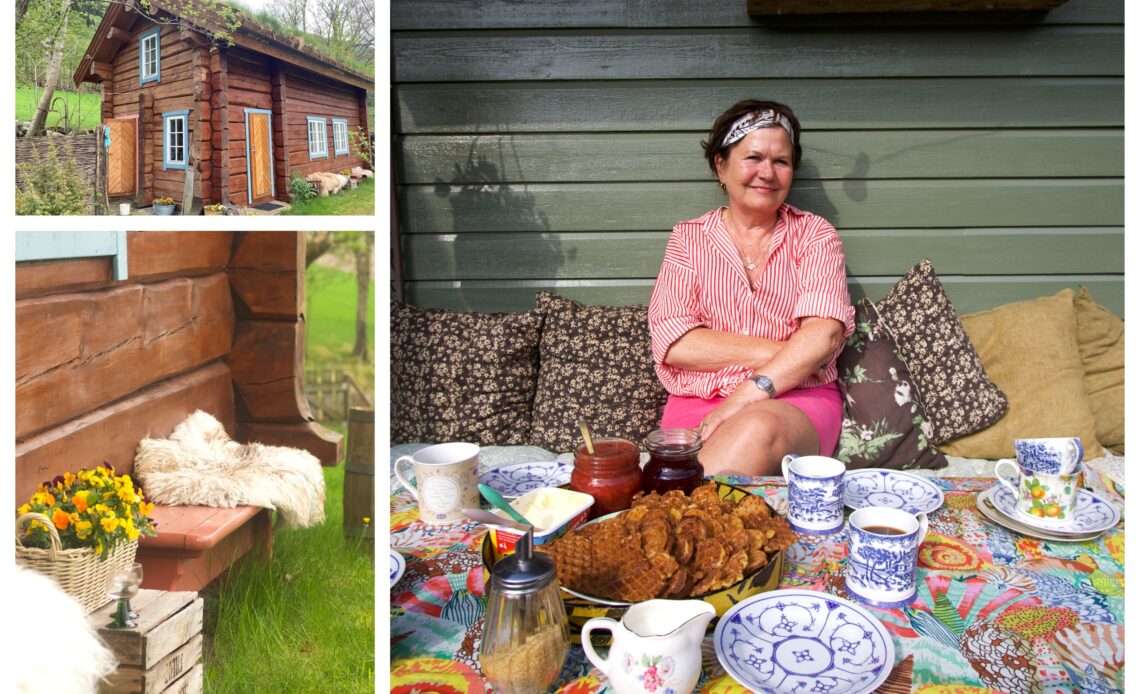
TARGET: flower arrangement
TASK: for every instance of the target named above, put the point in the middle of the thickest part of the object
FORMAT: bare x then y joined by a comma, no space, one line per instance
346,172
91,508
164,201
215,208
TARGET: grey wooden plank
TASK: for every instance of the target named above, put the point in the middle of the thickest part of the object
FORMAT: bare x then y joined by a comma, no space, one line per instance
968,294
531,14
748,53
834,104
626,255
859,154
858,204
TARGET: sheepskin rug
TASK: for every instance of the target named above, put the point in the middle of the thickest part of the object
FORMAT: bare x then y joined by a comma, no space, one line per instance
67,656
199,465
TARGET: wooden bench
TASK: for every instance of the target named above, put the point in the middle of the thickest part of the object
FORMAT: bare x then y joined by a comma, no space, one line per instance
195,544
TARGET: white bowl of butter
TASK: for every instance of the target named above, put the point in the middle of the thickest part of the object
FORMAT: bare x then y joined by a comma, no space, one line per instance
553,512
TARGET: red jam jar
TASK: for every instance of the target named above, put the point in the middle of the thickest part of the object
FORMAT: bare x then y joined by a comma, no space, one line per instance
673,461
611,474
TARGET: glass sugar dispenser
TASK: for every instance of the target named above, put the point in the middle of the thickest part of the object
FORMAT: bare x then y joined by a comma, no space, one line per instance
525,631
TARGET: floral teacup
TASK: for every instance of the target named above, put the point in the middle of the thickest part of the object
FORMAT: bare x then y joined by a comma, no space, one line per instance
1042,498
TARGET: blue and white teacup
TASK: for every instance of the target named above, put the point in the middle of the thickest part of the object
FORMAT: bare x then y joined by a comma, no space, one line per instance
815,493
882,555
1055,456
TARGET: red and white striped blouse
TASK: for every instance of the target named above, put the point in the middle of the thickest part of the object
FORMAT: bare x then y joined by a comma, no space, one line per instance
702,283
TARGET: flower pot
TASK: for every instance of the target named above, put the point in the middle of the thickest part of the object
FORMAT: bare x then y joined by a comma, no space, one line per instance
213,213
125,209
164,210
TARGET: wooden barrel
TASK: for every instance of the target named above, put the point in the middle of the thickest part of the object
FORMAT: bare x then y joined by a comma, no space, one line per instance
360,475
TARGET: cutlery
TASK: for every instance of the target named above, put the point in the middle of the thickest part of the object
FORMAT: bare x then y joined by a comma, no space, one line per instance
480,516
497,500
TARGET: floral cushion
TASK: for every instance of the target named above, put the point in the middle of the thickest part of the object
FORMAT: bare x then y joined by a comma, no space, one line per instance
959,398
884,423
462,376
595,365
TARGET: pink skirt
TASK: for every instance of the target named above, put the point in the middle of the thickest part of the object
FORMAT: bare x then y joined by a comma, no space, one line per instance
823,405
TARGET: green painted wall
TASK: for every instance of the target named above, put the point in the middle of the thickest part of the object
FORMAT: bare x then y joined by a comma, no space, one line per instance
554,144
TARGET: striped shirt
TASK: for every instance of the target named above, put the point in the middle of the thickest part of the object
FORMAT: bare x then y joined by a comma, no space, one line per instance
703,283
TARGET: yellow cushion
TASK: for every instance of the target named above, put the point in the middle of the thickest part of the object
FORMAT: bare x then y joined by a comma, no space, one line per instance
1029,350
1100,338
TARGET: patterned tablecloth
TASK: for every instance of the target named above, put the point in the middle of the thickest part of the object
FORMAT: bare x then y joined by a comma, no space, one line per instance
995,612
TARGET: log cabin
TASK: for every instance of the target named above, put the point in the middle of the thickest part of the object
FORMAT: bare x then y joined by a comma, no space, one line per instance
126,341
179,100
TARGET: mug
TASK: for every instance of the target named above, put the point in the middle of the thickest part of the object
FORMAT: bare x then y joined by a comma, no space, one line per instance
1056,456
1043,498
882,555
815,493
447,478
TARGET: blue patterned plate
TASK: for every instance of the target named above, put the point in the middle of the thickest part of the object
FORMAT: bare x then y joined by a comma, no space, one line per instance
396,567
1091,514
901,490
516,479
795,640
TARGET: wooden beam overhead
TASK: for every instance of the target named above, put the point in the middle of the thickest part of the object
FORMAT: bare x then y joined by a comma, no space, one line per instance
100,70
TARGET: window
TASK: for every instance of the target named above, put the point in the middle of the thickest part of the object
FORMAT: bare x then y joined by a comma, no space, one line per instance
148,57
57,245
340,136
174,139
318,138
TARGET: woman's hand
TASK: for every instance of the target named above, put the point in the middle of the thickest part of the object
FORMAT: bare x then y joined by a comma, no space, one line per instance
745,394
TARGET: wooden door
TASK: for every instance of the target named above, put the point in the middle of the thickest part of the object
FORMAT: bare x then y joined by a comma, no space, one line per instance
122,157
260,158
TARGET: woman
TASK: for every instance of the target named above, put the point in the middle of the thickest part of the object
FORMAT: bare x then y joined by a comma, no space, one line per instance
751,308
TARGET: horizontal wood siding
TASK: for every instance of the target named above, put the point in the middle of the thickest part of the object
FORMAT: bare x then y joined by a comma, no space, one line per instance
249,87
309,95
553,145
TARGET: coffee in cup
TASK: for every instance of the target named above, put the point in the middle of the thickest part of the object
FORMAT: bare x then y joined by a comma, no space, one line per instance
882,555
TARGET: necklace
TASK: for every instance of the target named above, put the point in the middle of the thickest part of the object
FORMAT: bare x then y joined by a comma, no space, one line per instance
741,249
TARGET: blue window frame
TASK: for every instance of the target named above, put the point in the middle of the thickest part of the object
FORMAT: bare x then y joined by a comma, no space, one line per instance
175,139
57,245
249,162
318,137
150,67
340,136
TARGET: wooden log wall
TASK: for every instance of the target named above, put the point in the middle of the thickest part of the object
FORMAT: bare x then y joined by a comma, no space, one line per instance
309,95
991,143
84,149
249,86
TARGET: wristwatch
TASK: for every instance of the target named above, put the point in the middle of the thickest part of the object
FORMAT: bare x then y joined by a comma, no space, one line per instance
764,383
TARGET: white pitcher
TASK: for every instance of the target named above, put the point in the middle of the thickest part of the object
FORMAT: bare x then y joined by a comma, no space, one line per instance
656,645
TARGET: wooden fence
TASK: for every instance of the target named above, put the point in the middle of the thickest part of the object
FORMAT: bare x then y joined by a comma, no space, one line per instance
85,149
332,394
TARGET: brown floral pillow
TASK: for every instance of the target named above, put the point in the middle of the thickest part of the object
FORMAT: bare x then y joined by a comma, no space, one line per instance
884,423
462,376
959,398
595,364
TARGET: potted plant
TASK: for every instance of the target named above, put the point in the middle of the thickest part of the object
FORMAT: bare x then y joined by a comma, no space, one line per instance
347,173
215,209
92,519
164,206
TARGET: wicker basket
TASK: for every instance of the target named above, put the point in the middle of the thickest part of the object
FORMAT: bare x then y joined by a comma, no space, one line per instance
80,572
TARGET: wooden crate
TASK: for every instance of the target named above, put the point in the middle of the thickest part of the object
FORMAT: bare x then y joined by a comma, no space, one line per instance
163,654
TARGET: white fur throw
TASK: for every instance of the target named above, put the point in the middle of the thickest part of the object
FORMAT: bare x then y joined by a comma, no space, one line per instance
199,465
69,657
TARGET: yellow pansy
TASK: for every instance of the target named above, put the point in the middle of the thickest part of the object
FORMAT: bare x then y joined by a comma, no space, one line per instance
109,524
83,529
24,509
80,500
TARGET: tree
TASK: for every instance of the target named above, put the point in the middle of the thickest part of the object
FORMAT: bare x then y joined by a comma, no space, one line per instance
55,56
294,13
362,252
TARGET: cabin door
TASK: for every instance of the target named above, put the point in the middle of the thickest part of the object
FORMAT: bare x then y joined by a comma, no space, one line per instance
122,156
260,166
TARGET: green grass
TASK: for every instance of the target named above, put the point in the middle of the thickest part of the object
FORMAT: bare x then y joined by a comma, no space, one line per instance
83,107
305,620
359,201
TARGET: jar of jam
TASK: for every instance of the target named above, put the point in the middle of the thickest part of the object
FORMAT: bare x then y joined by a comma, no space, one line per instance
673,461
611,474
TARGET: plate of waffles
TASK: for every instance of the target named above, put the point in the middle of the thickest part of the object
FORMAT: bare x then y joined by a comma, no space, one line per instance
890,488
794,640
516,479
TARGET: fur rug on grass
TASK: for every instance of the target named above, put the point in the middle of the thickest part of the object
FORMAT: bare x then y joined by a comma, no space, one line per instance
199,465
65,656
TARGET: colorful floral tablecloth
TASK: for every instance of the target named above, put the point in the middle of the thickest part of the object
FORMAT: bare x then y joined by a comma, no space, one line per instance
995,612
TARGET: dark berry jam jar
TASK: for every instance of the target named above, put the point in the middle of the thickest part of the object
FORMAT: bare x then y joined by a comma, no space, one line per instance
612,474
673,461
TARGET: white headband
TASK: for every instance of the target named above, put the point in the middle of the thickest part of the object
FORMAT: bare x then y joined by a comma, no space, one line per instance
765,118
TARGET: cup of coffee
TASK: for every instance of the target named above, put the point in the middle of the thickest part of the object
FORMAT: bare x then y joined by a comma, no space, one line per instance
1055,456
882,555
446,480
815,493
1042,497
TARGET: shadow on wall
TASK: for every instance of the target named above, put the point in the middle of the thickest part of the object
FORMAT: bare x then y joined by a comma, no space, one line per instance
499,232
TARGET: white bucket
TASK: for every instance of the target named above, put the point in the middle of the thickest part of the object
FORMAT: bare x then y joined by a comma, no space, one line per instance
125,209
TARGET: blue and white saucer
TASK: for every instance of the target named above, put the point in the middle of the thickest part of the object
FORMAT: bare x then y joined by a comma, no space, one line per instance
516,479
396,567
792,641
891,488
1091,514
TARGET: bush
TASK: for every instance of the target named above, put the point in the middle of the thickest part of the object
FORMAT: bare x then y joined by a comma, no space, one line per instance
48,186
299,188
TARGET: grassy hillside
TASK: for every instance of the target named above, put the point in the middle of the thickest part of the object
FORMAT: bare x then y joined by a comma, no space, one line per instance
82,107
